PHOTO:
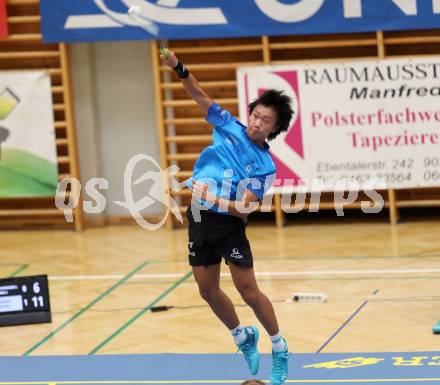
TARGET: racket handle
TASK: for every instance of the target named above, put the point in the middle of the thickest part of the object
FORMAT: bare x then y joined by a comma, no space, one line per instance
164,51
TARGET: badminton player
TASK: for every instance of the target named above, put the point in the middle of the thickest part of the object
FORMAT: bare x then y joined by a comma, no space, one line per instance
239,156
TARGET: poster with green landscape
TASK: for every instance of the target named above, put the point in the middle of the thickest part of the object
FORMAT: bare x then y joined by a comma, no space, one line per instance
28,159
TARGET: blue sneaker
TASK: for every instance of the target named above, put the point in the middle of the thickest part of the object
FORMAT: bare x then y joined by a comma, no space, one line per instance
280,367
250,350
436,328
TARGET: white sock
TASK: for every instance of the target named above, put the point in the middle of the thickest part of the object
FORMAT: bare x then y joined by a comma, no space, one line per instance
239,334
278,343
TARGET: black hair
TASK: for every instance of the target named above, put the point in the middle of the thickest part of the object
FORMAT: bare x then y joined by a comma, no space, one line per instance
281,104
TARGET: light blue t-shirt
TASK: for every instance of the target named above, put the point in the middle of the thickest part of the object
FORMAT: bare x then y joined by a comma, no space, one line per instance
232,160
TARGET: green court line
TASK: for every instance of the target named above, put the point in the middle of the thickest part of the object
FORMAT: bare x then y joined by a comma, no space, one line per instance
353,381
76,315
144,310
15,273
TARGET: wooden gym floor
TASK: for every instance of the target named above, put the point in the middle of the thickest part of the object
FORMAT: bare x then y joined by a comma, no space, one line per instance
104,281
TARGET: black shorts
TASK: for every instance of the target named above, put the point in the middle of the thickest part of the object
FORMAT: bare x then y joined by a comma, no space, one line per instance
217,236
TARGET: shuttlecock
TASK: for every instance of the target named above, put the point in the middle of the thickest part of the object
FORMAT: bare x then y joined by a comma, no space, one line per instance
135,10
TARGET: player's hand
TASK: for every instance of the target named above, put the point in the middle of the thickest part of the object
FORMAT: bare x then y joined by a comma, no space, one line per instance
170,60
199,190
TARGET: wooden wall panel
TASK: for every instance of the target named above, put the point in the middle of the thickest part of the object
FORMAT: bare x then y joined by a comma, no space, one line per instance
24,50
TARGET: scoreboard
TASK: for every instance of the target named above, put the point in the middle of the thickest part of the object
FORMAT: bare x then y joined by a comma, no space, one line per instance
24,300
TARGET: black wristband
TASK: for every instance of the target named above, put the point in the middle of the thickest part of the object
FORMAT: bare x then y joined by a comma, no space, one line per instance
181,70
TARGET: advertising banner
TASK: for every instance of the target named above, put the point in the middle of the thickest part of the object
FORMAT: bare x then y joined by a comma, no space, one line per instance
97,20
368,120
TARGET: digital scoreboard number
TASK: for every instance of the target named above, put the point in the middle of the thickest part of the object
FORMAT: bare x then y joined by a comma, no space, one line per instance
24,300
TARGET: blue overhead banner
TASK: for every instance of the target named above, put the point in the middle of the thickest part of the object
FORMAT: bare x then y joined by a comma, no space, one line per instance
99,20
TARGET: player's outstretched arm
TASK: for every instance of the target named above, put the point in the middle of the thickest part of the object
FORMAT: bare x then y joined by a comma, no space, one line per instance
189,82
